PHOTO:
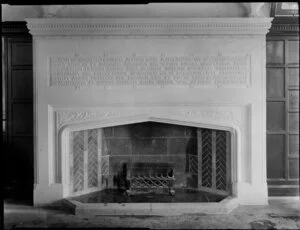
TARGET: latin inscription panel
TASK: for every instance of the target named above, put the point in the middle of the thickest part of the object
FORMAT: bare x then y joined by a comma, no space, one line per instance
160,70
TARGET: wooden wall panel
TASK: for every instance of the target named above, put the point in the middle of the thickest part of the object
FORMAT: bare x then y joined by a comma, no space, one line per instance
293,77
293,54
275,116
19,152
21,53
283,108
275,51
275,82
294,121
275,156
21,119
22,85
294,144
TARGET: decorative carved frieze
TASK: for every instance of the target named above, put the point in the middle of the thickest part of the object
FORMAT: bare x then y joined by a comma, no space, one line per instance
147,26
159,70
67,117
212,114
71,117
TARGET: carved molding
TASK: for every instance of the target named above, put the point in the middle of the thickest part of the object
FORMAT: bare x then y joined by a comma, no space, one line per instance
148,26
14,28
285,27
69,117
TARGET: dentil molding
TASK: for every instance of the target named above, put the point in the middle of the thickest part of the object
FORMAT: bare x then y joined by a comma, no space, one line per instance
147,26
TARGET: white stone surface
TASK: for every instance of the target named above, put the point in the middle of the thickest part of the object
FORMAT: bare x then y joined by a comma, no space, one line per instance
160,209
238,108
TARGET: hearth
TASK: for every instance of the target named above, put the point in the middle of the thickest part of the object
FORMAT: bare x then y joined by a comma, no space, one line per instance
183,195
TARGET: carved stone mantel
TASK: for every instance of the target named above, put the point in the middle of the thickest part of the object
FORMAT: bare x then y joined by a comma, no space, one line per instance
148,26
111,60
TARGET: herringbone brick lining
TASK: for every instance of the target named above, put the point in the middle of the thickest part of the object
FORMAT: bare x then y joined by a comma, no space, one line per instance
193,164
207,158
78,151
221,161
104,165
92,158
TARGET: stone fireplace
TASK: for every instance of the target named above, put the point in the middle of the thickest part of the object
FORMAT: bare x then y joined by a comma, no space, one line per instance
94,77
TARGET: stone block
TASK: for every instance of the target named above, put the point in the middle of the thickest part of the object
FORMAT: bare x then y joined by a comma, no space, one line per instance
182,146
191,132
192,181
180,180
117,146
116,163
151,146
155,129
149,159
168,130
123,131
107,132
179,162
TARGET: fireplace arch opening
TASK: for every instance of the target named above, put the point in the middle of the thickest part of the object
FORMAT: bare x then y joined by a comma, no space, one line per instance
130,163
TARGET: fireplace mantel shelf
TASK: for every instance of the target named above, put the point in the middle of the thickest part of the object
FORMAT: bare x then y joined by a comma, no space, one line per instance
147,26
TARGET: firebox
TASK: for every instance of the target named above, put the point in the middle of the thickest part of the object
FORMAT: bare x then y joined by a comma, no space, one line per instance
150,157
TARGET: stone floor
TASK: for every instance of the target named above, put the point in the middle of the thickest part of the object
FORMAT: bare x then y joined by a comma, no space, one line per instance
282,213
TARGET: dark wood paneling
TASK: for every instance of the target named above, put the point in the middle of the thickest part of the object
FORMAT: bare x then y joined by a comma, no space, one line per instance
275,82
294,168
294,144
293,56
283,190
293,99
283,52
22,122
22,85
22,151
275,156
275,116
293,77
21,53
294,121
18,154
275,51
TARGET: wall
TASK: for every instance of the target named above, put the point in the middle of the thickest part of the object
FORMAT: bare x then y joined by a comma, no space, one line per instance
20,12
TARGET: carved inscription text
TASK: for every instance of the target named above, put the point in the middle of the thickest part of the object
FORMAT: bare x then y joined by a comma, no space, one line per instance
156,70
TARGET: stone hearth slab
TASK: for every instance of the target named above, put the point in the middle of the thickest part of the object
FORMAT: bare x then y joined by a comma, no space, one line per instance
152,209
